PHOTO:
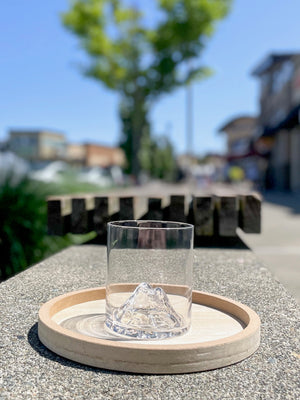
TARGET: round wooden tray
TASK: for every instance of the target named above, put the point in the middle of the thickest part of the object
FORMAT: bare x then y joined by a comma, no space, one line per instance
223,332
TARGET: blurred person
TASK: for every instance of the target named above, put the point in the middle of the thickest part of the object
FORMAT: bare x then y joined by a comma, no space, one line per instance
236,174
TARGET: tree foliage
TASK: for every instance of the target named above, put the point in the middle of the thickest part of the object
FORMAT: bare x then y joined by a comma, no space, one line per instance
142,53
156,157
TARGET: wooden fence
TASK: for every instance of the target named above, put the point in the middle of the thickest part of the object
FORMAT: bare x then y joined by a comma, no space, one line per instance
213,216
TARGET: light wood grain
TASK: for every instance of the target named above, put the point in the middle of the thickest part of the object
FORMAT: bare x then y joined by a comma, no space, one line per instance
154,357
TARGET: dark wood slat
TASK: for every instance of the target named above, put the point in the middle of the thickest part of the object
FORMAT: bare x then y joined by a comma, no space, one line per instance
101,215
59,210
55,219
176,210
106,209
126,208
155,210
203,215
227,207
79,216
250,213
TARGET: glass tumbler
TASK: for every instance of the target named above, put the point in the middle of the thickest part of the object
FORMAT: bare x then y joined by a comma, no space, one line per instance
149,279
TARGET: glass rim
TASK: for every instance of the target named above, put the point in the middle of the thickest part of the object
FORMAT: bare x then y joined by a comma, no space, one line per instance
118,224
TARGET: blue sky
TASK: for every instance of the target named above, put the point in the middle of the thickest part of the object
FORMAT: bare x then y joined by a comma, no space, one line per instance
41,87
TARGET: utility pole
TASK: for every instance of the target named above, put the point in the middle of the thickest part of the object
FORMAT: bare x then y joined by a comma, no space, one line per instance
189,120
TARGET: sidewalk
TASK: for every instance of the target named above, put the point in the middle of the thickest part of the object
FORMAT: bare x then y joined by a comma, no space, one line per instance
278,246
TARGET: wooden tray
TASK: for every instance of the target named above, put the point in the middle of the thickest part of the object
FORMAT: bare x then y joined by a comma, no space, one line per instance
223,332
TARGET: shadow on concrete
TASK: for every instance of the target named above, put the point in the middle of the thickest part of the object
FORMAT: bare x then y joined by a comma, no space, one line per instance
284,199
220,242
42,350
214,242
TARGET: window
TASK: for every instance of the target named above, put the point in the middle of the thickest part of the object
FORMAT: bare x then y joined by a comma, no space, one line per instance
282,75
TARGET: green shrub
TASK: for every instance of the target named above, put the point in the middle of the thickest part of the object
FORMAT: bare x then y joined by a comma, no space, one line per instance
22,225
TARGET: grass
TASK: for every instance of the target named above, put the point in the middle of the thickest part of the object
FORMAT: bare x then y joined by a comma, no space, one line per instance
69,184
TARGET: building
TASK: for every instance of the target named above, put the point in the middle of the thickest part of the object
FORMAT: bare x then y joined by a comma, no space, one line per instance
38,146
278,127
239,132
103,156
94,155
76,154
240,150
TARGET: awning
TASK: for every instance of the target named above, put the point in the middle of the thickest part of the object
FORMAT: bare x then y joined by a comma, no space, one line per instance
251,153
289,122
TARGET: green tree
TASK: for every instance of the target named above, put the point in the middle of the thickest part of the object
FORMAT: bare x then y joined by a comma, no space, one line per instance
156,157
143,57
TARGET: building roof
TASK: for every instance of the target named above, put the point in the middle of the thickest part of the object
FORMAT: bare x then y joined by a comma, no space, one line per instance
100,146
35,131
270,60
232,121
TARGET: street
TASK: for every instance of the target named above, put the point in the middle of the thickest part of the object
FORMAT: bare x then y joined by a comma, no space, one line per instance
278,246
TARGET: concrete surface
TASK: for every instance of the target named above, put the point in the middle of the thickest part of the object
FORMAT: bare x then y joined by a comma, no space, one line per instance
29,371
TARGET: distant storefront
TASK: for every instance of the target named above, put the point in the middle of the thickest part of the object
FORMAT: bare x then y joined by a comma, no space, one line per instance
278,124
243,159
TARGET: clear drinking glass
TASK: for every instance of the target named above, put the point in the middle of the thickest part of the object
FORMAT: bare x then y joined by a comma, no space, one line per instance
149,278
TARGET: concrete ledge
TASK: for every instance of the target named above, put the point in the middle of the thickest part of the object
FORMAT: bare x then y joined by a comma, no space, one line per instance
30,371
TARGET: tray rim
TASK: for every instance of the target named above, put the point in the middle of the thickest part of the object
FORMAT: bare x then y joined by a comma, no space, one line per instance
252,324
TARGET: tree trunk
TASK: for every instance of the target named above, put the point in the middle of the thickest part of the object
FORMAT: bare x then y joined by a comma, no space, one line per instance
134,120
